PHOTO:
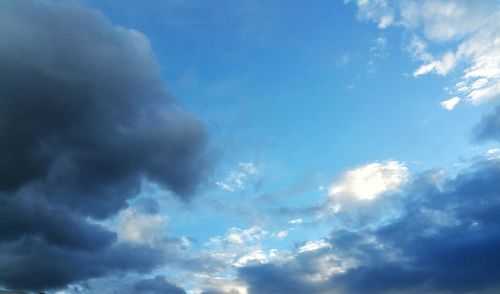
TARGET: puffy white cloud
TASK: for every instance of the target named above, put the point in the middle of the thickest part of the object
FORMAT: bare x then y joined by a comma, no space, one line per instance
450,103
371,180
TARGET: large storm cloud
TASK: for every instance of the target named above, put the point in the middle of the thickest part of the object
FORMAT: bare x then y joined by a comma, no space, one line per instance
84,119
445,241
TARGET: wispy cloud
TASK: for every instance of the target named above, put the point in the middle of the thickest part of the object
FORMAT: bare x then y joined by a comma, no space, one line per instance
236,180
471,25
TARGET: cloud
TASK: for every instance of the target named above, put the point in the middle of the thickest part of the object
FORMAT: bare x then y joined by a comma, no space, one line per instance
84,119
371,180
450,103
237,179
470,29
441,66
141,228
444,20
444,241
493,154
157,285
312,246
439,20
296,221
308,272
33,263
489,127
241,247
379,11
222,285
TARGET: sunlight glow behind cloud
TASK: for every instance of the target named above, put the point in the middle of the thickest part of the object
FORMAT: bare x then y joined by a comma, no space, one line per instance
371,180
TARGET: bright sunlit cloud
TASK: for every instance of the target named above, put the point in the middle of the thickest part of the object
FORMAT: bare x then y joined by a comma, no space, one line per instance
371,180
450,103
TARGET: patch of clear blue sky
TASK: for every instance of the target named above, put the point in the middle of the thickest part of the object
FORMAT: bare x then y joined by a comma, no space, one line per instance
294,86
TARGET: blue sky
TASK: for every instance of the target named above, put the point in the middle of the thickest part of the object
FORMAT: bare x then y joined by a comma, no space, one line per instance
325,122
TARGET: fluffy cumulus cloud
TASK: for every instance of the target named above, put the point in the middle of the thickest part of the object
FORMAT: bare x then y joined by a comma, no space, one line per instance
444,241
470,28
84,119
450,103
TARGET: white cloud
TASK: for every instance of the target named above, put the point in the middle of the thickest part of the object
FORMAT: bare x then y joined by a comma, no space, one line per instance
313,246
385,21
237,179
281,235
450,103
441,66
219,284
481,80
378,11
241,247
257,257
235,243
240,236
297,221
493,154
371,180
325,266
140,228
473,25
439,20
444,20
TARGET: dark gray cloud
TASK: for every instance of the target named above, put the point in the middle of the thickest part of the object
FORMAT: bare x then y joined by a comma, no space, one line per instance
157,285
33,263
84,110
216,291
489,127
84,119
446,241
23,215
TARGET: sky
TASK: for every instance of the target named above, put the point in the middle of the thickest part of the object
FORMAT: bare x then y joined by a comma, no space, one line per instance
248,147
